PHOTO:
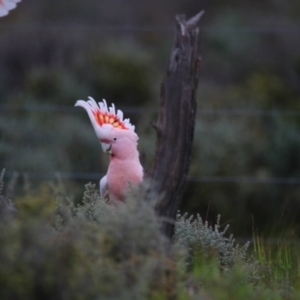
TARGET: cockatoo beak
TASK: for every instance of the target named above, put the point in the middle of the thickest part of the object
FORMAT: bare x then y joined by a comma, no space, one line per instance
106,148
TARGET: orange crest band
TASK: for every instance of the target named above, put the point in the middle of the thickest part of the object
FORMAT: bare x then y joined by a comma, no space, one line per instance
103,114
107,118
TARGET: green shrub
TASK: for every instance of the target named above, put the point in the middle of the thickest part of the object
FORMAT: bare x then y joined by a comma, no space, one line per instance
209,241
54,249
82,252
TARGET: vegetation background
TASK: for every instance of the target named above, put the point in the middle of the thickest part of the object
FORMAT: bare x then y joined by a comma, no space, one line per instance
245,164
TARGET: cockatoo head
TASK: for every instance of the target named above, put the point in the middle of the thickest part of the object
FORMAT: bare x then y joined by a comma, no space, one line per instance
116,134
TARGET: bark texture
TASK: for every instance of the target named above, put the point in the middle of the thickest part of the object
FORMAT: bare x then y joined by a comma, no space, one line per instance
176,121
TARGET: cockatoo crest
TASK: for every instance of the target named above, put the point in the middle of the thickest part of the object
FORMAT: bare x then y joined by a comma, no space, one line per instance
104,117
6,6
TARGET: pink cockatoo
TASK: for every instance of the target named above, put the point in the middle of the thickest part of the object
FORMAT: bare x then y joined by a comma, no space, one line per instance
6,6
118,138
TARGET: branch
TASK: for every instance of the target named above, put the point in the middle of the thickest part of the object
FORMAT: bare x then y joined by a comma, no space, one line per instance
176,120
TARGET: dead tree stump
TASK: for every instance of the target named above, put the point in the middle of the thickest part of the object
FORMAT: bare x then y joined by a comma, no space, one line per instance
176,121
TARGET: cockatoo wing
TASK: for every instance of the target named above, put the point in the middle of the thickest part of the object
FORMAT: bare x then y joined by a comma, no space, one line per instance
6,6
103,186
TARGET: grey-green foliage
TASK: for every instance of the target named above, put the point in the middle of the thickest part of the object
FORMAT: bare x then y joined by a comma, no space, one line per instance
133,227
1,181
7,208
209,240
91,251
58,250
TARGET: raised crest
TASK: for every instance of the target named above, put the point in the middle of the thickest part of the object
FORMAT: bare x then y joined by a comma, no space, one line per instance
104,114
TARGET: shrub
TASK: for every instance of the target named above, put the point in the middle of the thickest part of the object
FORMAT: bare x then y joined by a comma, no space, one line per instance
208,241
83,252
54,249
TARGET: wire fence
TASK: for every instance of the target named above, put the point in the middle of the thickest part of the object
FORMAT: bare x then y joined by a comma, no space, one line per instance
149,28
56,175
51,108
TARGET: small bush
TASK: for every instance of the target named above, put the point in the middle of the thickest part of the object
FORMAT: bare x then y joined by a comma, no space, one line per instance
209,241
54,249
83,252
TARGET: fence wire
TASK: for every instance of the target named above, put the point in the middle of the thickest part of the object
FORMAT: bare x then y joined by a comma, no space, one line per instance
51,109
9,108
198,179
149,28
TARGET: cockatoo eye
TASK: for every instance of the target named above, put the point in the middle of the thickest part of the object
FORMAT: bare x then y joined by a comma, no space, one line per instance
115,139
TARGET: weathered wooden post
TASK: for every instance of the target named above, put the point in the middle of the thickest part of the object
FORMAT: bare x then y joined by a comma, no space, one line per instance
176,121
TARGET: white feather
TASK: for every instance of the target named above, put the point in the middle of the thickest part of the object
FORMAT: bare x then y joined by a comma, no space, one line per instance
103,106
120,115
92,103
9,4
112,109
103,186
6,6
